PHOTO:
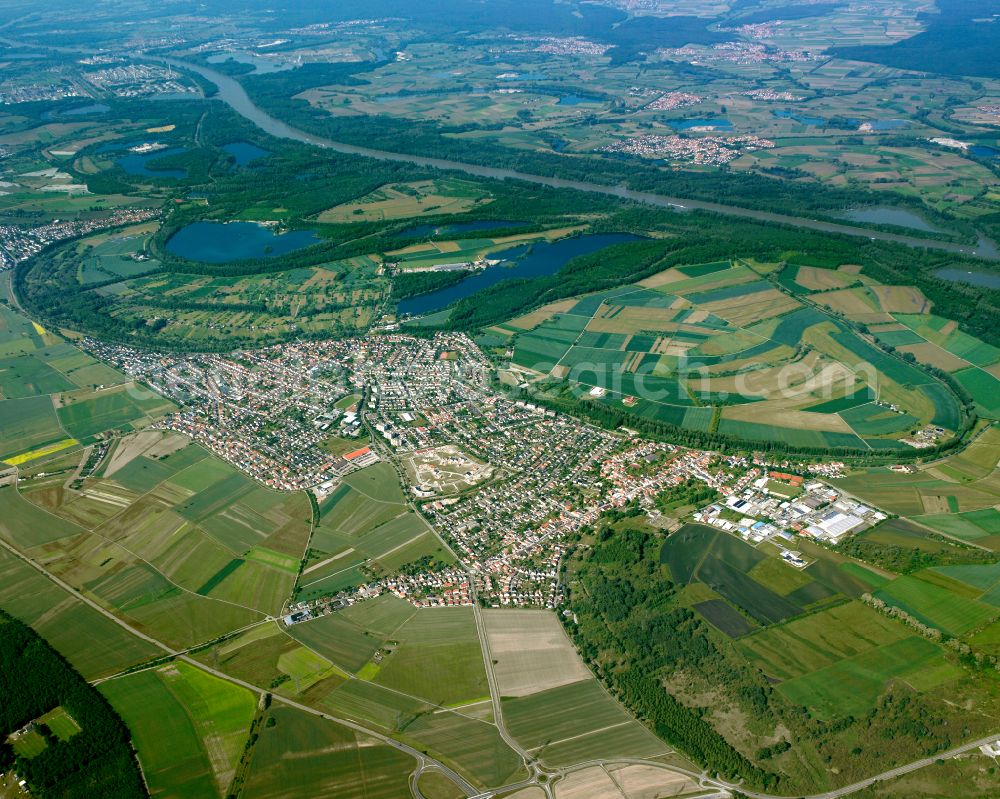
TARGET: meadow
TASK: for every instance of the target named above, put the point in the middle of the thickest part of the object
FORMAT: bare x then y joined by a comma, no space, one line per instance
838,661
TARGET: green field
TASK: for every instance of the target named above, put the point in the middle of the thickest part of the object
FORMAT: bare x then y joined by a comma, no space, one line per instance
303,755
765,588
27,424
188,727
852,685
86,413
937,606
92,643
439,658
560,725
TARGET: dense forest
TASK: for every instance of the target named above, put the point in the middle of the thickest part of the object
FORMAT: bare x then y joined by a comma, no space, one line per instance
961,38
97,761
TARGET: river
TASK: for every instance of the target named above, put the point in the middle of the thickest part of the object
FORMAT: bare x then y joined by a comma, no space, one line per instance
232,93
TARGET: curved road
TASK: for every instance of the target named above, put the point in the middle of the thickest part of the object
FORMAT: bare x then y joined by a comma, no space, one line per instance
233,93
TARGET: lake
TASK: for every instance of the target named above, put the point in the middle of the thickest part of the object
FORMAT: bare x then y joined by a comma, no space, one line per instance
222,242
719,123
990,281
983,151
78,111
525,261
244,152
457,227
885,215
138,164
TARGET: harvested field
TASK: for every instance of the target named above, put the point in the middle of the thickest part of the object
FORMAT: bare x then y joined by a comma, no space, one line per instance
935,356
851,302
590,783
531,651
816,279
901,299
535,318
650,782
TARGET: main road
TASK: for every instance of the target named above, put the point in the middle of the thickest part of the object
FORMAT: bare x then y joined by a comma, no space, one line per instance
233,94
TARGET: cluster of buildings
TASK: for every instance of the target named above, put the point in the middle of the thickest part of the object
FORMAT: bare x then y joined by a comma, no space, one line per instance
445,588
139,80
735,53
547,476
565,45
12,94
268,412
771,95
776,506
925,437
713,150
672,100
20,243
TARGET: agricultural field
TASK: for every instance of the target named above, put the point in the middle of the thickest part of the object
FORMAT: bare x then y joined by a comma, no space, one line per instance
302,755
899,318
552,704
410,201
366,528
750,587
170,538
838,661
718,347
954,496
416,674
793,350
53,396
188,727
94,645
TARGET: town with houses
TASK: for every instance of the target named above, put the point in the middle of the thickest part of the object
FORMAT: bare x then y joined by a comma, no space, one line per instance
506,483
18,243
715,150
